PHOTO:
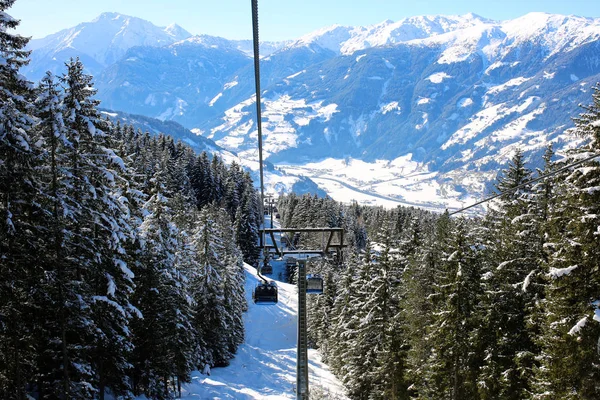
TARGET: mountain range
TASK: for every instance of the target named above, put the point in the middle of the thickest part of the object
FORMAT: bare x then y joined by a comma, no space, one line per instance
451,97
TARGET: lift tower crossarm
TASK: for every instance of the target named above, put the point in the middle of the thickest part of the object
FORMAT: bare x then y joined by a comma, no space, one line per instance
329,246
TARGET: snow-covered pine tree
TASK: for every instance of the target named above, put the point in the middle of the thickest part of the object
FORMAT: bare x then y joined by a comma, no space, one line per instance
234,296
247,221
101,228
385,323
451,370
233,188
18,233
423,260
359,350
207,290
570,361
54,288
320,310
345,321
510,350
161,332
202,180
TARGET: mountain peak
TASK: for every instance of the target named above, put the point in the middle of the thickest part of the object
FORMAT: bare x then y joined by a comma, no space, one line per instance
110,16
177,32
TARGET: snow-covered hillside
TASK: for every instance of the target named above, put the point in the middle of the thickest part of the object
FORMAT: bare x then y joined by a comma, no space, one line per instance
100,42
265,365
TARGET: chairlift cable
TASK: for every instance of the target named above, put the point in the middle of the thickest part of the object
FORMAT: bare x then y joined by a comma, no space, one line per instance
539,178
258,120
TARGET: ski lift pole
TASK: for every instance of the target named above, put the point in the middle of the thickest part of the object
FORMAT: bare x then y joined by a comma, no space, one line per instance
302,351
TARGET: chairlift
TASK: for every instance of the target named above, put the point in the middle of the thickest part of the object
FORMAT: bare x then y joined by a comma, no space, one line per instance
314,284
290,262
267,269
265,293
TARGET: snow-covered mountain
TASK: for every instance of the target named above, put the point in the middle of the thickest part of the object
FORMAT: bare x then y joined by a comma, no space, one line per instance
454,95
347,40
98,43
459,102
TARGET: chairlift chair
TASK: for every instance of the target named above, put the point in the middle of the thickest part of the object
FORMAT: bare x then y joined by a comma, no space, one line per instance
267,269
265,293
314,284
290,262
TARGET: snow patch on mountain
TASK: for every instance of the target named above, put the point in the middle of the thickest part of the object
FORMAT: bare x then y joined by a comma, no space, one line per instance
390,107
464,102
279,131
438,77
512,82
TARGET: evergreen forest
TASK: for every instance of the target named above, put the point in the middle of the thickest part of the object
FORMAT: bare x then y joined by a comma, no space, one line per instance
121,265
121,253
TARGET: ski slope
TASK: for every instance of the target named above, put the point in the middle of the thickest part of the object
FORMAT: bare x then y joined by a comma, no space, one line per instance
265,364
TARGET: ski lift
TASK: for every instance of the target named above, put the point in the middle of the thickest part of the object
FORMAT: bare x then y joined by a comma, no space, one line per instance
267,269
290,262
265,293
314,284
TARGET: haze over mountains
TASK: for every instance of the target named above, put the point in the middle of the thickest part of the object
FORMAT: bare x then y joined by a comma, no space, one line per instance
434,105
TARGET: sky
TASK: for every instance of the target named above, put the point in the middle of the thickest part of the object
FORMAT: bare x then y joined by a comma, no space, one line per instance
278,19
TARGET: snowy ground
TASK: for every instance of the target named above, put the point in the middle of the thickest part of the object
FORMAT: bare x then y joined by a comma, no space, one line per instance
387,183
265,365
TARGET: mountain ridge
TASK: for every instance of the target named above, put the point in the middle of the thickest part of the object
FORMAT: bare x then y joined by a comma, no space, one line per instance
456,93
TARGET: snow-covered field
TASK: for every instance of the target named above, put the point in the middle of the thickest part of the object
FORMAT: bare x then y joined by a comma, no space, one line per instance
382,183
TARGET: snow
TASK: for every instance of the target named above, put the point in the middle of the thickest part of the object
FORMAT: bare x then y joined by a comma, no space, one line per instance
527,281
214,100
231,84
389,107
296,74
578,326
388,183
512,82
124,268
438,77
464,102
111,287
108,37
279,133
264,366
558,272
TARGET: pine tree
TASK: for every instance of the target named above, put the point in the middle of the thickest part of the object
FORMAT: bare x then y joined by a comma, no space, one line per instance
161,332
18,211
510,350
450,372
388,373
570,360
247,220
208,292
345,322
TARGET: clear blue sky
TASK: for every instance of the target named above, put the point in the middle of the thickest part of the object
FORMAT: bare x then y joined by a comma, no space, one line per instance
278,19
